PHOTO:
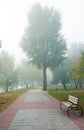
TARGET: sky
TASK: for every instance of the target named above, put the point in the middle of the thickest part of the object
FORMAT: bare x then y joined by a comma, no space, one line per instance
13,21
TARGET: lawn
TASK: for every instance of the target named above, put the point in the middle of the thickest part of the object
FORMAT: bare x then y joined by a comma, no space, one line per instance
63,94
9,97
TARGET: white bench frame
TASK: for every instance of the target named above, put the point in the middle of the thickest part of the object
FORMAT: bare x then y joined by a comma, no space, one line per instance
72,103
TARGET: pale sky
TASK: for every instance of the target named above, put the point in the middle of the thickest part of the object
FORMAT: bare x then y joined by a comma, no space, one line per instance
13,21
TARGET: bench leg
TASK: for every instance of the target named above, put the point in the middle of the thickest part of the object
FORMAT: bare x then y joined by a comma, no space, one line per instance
68,110
80,110
60,106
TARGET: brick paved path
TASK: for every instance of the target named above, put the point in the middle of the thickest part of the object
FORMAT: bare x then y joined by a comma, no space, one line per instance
38,111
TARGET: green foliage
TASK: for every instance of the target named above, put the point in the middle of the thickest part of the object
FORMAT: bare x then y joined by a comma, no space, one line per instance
81,66
77,71
29,74
42,42
60,74
8,75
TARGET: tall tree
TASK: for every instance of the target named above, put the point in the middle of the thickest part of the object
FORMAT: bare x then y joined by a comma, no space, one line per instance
42,41
8,74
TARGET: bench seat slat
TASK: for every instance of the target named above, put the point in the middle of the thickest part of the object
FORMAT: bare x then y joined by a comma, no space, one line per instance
72,99
66,103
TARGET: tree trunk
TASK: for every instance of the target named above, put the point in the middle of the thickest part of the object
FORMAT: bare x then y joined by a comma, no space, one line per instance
64,86
26,86
6,88
76,85
44,79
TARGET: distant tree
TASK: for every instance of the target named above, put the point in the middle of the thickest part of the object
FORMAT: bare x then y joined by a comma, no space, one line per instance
80,69
0,43
74,52
55,74
72,72
8,75
60,74
29,74
42,42
77,71
81,64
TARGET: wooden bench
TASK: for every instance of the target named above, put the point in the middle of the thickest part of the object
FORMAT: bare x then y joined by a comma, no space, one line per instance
72,104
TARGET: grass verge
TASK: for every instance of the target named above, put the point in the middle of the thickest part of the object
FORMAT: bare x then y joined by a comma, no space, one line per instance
7,98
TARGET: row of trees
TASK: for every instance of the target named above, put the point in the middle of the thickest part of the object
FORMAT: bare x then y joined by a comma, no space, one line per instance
12,76
26,75
72,69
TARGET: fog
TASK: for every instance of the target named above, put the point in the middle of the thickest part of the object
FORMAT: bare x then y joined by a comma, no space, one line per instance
13,21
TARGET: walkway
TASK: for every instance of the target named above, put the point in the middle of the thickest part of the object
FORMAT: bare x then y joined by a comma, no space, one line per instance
36,110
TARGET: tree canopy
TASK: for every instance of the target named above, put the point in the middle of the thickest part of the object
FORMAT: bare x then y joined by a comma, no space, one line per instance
42,41
76,71
8,74
60,74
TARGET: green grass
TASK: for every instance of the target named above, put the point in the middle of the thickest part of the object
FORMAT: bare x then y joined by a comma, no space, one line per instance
63,94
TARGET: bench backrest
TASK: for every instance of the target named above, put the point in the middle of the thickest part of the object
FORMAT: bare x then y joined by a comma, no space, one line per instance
73,99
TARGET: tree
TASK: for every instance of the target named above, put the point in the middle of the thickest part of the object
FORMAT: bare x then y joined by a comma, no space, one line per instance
60,74
42,41
81,66
8,74
29,74
74,52
76,71
0,43
80,69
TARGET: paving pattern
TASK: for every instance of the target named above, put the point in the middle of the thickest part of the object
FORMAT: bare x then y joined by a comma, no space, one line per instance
36,97
36,110
41,119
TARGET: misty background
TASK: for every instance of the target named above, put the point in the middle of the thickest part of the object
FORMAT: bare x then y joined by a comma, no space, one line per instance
13,23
